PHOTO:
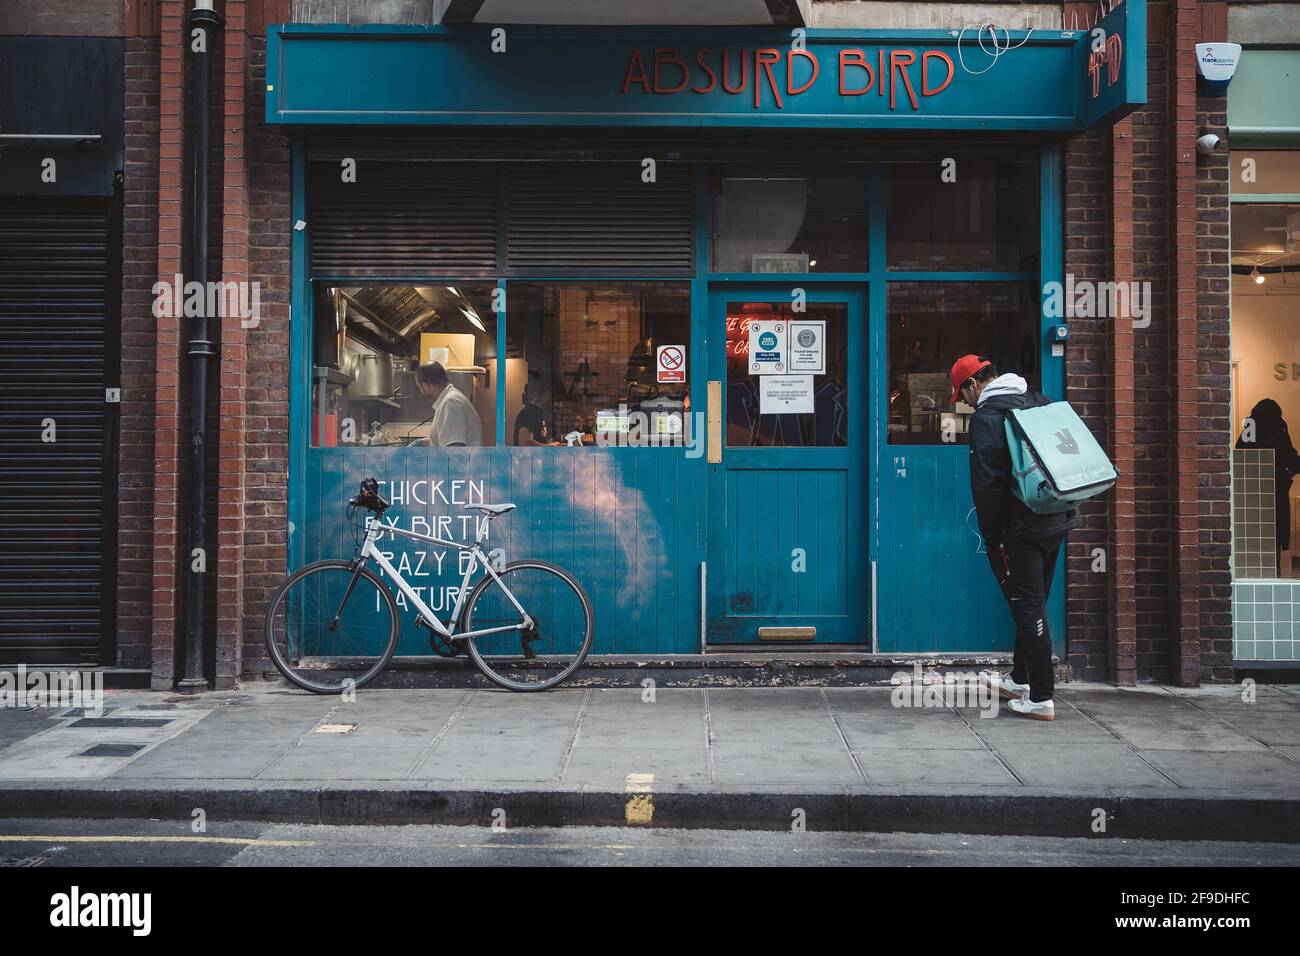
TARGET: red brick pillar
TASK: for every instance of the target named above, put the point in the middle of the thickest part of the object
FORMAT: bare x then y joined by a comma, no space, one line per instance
232,359
1216,432
1123,556
167,536
1184,644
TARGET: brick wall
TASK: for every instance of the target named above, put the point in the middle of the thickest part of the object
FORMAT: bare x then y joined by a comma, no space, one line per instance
167,543
139,272
266,443
1214,430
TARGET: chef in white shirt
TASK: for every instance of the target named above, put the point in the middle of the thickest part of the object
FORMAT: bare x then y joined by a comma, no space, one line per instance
455,422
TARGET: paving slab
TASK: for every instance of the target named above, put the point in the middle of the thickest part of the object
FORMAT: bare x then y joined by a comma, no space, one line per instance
1079,765
1179,732
1239,771
609,767
468,758
964,767
783,761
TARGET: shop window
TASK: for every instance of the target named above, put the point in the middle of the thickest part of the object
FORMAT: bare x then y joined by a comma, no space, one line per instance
931,325
964,216
753,401
385,357
1264,171
598,364
790,219
1265,390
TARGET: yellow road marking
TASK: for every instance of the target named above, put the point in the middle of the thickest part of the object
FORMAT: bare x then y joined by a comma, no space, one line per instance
245,841
640,808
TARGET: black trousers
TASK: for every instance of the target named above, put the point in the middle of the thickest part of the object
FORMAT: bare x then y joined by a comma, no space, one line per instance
1026,581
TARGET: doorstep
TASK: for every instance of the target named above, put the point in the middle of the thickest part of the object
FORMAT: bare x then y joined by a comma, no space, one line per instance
734,666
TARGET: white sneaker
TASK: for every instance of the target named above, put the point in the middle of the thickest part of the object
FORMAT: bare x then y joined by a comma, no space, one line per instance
1037,709
1004,686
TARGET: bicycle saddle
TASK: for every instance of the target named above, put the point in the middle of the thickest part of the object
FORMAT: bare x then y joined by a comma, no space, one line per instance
492,510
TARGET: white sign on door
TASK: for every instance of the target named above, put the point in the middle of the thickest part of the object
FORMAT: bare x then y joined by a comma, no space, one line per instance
768,344
785,395
808,346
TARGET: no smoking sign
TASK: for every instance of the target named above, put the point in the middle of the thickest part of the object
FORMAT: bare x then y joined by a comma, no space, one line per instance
670,364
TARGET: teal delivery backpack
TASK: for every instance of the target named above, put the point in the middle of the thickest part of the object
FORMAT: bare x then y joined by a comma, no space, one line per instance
1055,461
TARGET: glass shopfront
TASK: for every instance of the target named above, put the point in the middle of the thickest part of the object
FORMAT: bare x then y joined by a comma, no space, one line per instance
606,334
1265,186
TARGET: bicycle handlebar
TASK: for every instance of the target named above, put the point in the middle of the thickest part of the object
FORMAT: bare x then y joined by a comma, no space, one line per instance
369,497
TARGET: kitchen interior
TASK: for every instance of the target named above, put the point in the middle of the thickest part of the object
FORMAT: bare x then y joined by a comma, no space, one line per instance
369,341
580,360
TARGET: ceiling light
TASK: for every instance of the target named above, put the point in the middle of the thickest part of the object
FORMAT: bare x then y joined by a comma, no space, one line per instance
1257,276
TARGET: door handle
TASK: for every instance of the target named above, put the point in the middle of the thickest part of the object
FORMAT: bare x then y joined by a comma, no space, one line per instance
715,422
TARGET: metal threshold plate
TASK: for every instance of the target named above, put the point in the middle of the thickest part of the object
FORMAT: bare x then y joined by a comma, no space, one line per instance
787,633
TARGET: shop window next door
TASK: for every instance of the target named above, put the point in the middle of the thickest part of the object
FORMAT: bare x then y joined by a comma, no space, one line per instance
787,405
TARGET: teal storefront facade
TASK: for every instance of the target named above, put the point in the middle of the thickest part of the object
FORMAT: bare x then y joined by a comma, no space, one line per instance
564,204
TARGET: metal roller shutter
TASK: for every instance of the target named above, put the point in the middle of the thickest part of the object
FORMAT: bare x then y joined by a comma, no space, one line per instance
424,218
402,219
571,218
56,345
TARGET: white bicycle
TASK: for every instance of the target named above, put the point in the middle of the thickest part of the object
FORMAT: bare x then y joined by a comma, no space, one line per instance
527,626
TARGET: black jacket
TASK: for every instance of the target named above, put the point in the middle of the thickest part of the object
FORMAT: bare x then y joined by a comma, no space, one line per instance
1003,516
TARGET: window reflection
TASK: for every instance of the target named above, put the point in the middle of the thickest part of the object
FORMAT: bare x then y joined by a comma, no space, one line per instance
790,219
981,215
931,325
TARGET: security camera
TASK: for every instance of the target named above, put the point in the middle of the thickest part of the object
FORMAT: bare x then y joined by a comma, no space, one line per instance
1207,143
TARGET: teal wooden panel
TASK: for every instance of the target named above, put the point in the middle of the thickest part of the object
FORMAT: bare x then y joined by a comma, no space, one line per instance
614,517
935,591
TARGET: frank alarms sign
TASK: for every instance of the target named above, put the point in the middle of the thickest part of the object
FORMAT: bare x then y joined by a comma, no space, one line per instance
847,79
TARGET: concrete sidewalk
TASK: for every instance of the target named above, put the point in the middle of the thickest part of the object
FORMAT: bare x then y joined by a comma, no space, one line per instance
1159,762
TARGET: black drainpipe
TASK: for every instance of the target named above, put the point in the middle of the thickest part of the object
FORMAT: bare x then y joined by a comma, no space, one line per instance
205,21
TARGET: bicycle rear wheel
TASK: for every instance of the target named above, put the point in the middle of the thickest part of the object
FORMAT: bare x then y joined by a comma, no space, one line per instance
321,634
553,649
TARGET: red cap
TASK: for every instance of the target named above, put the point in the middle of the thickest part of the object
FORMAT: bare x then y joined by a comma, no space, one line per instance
964,368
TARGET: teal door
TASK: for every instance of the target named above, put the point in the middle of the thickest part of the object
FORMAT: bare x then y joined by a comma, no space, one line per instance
787,402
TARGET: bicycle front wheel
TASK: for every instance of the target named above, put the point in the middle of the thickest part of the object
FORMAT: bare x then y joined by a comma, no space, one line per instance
327,626
544,655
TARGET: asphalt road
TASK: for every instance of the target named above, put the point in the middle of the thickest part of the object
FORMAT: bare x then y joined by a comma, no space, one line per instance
55,843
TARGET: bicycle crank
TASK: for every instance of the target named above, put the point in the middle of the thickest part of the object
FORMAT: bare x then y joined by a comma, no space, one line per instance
439,644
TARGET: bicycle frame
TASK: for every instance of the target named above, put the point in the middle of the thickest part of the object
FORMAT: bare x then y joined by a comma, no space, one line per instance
370,552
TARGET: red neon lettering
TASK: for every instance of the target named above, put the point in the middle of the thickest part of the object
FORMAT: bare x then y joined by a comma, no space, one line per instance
666,56
1095,60
925,72
850,58
899,61
701,58
1114,56
636,73
789,71
880,72
763,60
